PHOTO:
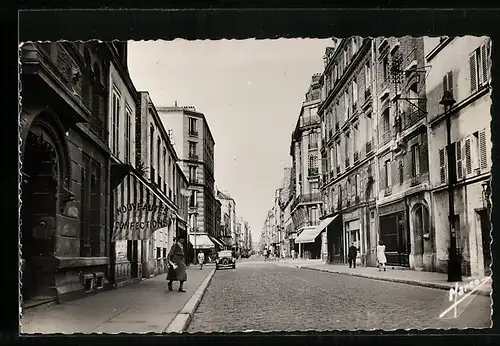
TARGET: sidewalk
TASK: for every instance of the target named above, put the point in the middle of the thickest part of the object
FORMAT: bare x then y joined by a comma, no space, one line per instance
411,277
138,308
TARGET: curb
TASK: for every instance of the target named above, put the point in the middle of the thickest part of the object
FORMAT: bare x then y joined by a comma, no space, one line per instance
388,279
181,322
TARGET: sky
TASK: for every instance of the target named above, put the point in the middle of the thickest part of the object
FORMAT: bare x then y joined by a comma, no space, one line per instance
250,91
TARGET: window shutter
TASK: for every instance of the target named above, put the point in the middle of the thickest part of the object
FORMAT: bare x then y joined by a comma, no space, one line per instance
468,159
382,176
450,81
445,83
394,172
424,158
483,157
472,67
458,156
485,62
442,166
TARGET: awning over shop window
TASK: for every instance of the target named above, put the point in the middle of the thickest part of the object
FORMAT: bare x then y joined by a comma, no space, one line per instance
217,242
138,210
202,241
309,235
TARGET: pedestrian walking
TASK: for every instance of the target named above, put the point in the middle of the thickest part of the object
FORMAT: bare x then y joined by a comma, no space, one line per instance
293,254
177,265
201,259
382,260
351,255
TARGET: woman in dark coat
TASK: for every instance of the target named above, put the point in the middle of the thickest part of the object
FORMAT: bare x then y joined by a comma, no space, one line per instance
178,271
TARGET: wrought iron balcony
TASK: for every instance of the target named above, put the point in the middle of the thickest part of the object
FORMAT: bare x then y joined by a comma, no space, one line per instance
386,137
368,147
368,93
306,198
313,171
416,180
356,156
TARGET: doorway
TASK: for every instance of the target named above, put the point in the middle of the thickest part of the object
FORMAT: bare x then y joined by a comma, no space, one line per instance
132,254
39,204
395,236
485,240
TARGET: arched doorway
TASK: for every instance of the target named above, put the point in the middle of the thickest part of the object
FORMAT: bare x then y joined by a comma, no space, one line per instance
44,188
421,231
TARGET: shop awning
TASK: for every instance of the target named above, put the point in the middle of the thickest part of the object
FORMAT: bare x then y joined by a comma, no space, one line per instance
309,235
138,210
218,242
202,241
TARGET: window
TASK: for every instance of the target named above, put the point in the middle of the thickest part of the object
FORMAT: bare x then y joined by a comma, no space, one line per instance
158,154
192,127
193,204
169,172
386,126
164,170
442,165
479,66
192,150
158,252
151,152
385,67
313,141
192,174
415,160
346,105
448,82
354,93
128,134
369,127
313,161
90,220
401,173
337,149
387,178
368,76
116,123
355,137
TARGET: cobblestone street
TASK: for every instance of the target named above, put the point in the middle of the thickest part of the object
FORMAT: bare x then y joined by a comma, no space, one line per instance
263,296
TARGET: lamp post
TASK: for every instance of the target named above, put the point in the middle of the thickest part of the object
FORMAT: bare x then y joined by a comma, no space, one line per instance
454,258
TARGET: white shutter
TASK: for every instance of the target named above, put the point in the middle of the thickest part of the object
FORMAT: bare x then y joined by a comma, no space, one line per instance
472,68
468,157
442,166
458,156
485,58
483,154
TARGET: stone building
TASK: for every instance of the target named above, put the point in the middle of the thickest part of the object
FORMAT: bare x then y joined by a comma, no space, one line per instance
228,208
194,144
348,118
402,155
461,66
65,169
306,170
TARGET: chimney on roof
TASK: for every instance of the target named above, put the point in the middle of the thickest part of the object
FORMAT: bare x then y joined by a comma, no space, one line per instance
175,103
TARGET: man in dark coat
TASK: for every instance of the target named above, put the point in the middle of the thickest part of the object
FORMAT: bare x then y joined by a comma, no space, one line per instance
177,265
351,255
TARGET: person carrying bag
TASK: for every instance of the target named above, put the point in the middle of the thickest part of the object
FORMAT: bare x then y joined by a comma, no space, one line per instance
177,265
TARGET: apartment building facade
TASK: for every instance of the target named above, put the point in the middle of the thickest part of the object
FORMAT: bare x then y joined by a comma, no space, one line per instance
158,160
194,144
228,208
460,66
306,171
402,155
347,114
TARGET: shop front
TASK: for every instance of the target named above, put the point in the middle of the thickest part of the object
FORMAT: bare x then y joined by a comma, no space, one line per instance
335,240
138,212
395,233
310,242
201,242
353,234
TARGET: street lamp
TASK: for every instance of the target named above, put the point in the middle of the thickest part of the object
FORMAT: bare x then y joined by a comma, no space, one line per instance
454,258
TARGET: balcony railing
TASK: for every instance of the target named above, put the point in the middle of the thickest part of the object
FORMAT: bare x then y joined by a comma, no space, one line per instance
306,198
410,119
368,147
416,180
368,93
313,171
193,133
193,156
347,162
386,137
356,156
313,145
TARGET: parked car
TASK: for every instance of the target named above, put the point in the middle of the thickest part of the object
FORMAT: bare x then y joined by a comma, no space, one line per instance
245,254
225,259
